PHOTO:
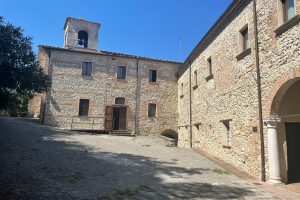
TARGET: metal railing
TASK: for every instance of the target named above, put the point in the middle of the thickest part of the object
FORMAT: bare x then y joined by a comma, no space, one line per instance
87,123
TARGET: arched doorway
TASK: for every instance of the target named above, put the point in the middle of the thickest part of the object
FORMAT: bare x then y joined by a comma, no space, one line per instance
173,135
286,105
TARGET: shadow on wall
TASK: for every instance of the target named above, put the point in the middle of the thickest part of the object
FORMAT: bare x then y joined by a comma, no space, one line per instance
69,170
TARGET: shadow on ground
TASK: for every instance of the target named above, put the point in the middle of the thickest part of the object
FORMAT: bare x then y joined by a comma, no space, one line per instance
33,167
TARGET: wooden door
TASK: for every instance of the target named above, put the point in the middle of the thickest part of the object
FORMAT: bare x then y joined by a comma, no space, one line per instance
122,119
108,118
293,149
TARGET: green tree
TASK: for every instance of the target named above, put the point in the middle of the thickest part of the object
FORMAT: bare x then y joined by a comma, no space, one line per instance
20,73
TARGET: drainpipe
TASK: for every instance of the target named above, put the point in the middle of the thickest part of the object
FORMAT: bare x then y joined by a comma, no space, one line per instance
190,103
136,126
261,129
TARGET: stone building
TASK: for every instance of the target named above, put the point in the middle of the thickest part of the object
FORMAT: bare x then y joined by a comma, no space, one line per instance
236,96
100,90
219,89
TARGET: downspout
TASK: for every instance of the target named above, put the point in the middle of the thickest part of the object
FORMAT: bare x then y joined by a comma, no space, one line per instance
190,103
261,129
136,126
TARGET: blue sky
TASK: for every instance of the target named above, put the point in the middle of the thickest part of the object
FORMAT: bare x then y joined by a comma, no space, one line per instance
151,28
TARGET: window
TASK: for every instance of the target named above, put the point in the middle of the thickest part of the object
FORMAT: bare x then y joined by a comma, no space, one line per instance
209,66
86,68
121,74
83,107
209,69
245,38
151,110
82,39
181,90
152,75
287,9
227,133
195,78
120,100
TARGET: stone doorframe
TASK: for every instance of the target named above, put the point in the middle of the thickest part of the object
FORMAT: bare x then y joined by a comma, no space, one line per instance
270,108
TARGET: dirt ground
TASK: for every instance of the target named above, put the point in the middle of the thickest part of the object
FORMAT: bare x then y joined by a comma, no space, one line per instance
39,162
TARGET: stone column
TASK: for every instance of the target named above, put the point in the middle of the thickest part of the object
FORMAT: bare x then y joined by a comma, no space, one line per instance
273,151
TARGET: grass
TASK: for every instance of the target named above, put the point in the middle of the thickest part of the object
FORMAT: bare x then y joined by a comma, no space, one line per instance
220,171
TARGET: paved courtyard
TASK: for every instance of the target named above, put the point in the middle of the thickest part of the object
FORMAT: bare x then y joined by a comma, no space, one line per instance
39,162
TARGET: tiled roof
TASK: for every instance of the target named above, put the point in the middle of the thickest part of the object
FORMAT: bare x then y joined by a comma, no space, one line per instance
108,53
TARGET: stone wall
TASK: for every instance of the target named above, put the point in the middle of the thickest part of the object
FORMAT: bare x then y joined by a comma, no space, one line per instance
232,92
102,87
34,106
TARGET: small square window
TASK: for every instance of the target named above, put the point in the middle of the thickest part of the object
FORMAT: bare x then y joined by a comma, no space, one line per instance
152,75
151,110
245,38
121,74
83,107
86,69
120,100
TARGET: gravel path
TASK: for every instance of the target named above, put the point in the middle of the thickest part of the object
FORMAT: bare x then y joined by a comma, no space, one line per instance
39,162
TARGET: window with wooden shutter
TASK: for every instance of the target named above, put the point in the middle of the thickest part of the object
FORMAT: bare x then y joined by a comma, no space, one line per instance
83,107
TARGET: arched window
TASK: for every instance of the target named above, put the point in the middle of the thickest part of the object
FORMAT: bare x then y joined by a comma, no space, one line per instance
82,39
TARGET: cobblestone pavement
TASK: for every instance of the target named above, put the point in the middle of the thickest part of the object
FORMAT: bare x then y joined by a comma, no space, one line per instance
39,162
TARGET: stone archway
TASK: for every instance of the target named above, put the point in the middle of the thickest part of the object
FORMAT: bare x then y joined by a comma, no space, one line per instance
173,135
284,133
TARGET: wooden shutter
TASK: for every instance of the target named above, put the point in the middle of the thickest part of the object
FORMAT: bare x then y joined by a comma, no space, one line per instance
108,118
122,122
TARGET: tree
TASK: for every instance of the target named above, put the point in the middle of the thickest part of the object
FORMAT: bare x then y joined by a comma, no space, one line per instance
20,73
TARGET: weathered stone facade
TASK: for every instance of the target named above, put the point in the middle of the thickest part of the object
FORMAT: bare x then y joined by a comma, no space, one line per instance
64,65
214,101
230,95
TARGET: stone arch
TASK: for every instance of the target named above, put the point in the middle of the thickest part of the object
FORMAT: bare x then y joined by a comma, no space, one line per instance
277,92
282,106
83,38
169,133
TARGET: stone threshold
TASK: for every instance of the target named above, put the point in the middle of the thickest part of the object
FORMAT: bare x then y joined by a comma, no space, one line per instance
281,191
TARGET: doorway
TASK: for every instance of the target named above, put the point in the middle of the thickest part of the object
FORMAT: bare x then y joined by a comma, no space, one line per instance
293,149
119,118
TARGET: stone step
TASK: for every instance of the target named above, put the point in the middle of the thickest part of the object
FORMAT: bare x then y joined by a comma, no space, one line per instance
121,133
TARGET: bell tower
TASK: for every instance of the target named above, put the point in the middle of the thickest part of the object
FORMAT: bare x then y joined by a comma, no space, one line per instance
80,33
